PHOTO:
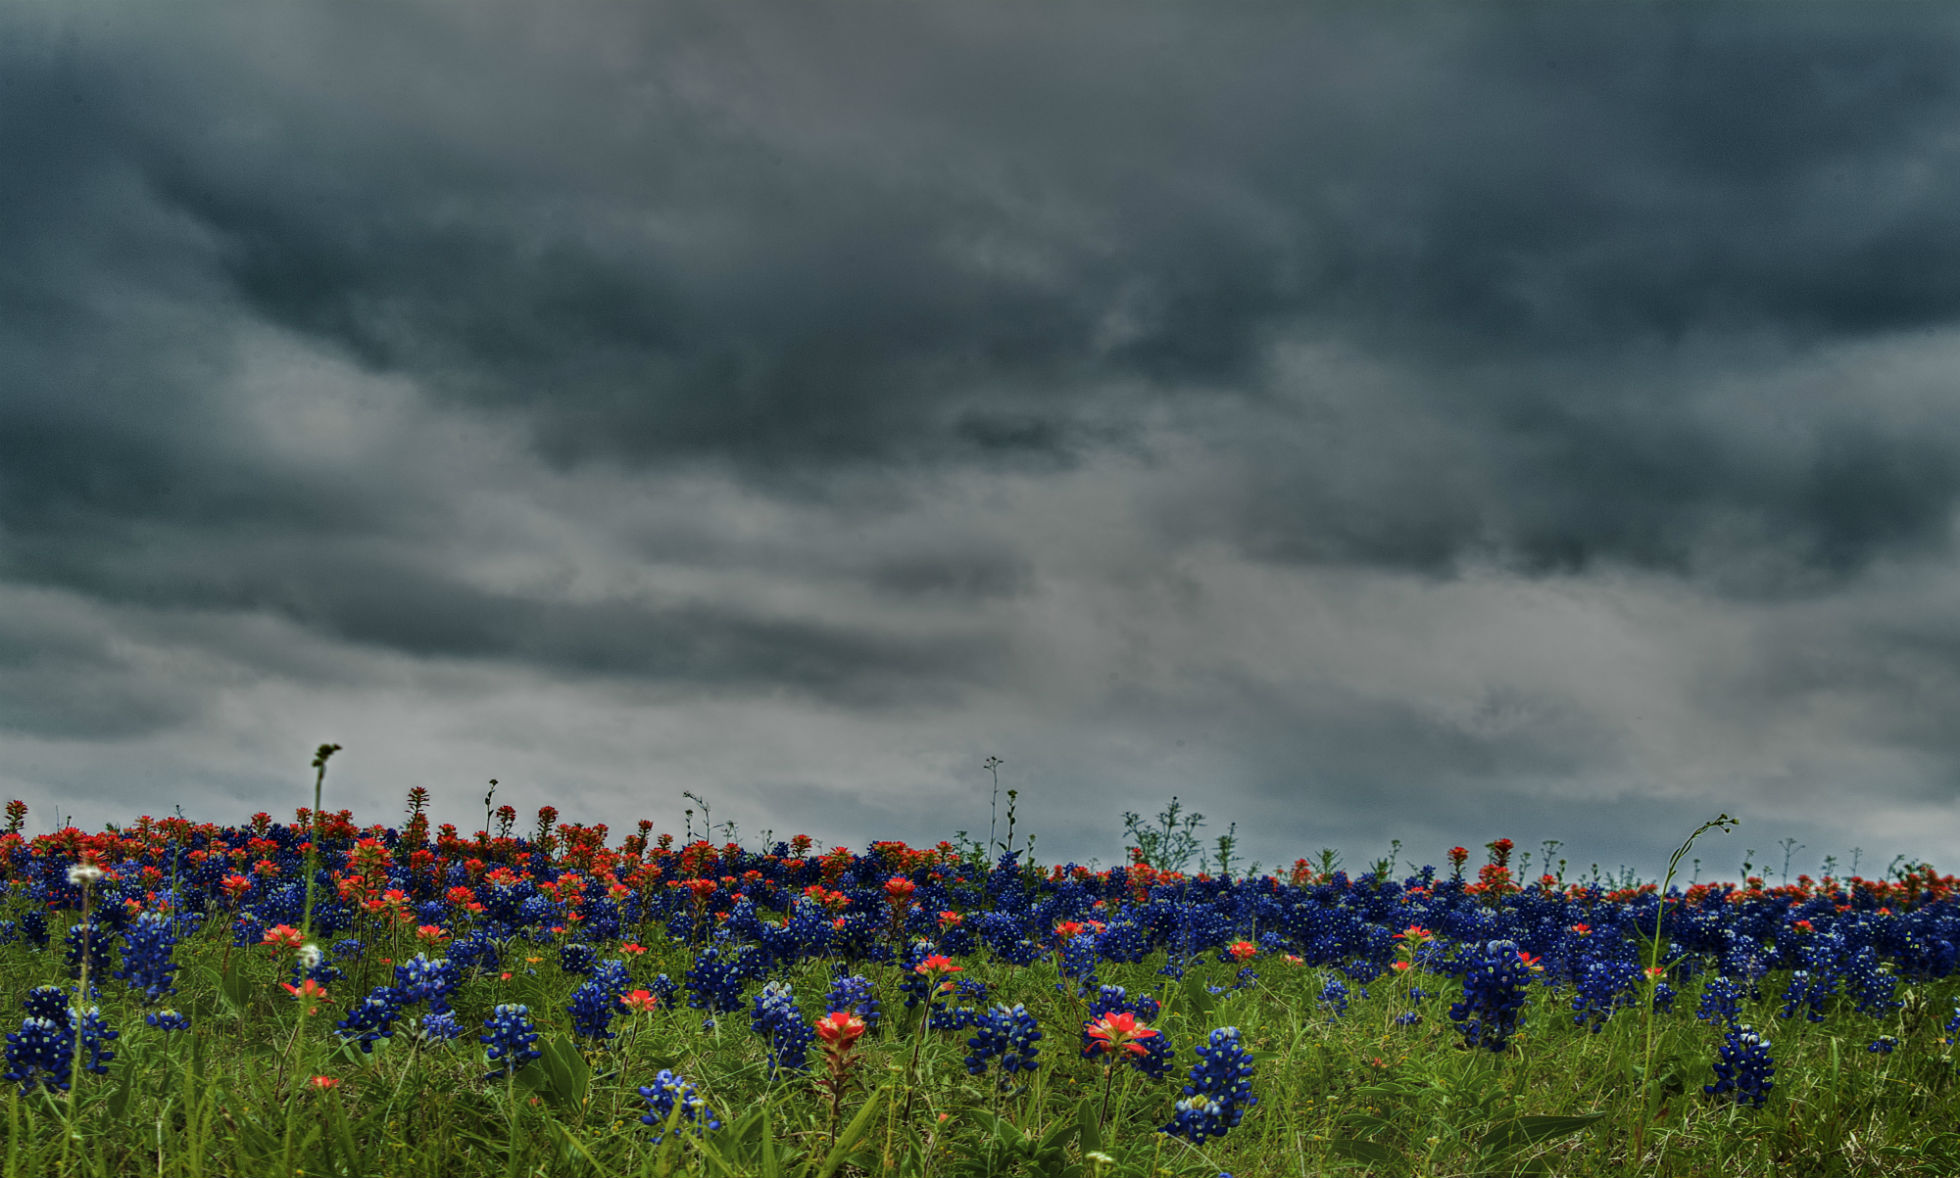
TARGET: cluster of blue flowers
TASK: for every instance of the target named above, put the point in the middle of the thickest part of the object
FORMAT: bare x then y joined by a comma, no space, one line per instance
854,993
1007,1033
1720,1001
1494,990
592,1008
42,1051
673,1101
1219,1091
372,1018
778,1020
508,1037
1606,983
147,946
1744,1068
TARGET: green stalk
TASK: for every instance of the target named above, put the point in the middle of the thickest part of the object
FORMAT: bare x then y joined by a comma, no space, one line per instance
313,841
1720,822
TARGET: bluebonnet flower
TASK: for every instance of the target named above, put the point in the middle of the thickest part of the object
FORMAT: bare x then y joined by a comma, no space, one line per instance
97,938
146,956
1663,998
347,949
167,1020
854,994
1808,991
478,951
1605,985
1872,985
1077,962
96,1036
49,1002
668,1093
664,988
971,994
509,1036
322,970
372,1018
1408,1018
592,1010
778,1020
422,980
34,927
1334,996
1219,1091
41,1052
577,959
613,975
1719,1001
1883,1045
1744,1069
714,984
1006,1032
439,1027
1494,990
916,986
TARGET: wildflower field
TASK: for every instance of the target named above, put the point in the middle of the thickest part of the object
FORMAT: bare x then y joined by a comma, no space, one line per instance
322,997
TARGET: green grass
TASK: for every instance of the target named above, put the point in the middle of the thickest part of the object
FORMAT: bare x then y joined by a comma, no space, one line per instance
1353,1095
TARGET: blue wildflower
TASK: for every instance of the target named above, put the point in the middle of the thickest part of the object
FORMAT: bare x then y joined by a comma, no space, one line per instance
1744,1069
1720,999
167,1020
422,980
854,994
42,1052
778,1020
1494,990
669,1093
1006,1032
147,945
1219,1091
509,1035
439,1027
592,1010
372,1018
577,959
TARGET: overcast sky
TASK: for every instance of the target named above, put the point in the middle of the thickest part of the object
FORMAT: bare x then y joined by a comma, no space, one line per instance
1433,424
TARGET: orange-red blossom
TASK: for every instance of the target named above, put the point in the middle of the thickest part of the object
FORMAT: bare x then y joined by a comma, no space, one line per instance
1119,1032
839,1030
310,992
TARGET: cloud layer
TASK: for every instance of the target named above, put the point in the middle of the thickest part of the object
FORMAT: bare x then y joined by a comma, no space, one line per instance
1364,425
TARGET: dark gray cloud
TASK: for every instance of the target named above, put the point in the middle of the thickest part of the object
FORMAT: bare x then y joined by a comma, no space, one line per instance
720,369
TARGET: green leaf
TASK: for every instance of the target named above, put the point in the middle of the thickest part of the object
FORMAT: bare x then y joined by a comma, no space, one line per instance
1531,1130
852,1134
1363,1151
568,1073
771,1167
118,1103
1199,1003
1048,1152
1087,1125
234,986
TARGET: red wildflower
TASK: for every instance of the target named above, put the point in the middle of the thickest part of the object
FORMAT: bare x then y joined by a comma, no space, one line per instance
1119,1032
839,1029
638,1001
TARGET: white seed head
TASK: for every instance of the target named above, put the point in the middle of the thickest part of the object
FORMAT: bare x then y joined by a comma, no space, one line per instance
309,956
83,875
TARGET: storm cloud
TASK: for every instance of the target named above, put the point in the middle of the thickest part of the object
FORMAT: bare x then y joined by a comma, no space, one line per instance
1363,424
